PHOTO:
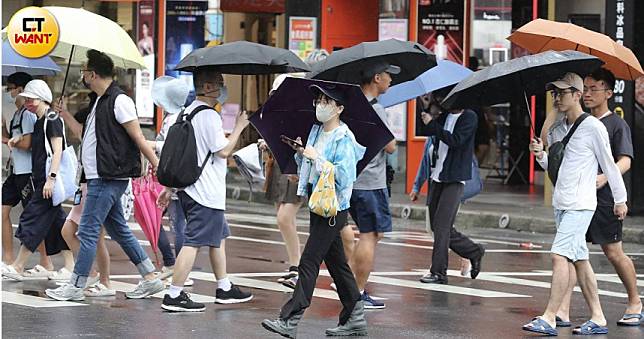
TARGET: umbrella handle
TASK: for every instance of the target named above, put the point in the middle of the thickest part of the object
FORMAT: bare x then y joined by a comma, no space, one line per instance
69,63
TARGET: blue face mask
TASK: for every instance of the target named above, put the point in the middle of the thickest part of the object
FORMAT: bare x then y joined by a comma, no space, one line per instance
223,95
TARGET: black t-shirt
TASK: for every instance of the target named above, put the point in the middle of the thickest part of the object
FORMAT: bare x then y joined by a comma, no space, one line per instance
621,144
38,151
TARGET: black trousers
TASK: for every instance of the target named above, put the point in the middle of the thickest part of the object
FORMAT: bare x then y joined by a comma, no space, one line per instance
324,243
444,199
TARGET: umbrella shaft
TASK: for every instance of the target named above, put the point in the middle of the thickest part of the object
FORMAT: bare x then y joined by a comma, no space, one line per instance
69,63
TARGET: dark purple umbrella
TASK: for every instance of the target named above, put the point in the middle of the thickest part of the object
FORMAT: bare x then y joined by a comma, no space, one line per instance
290,112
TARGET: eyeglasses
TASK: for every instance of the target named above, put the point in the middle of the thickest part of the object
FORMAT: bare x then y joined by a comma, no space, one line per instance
559,94
85,70
586,90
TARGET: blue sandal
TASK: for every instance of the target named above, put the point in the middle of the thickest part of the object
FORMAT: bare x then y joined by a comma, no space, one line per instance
589,328
628,316
538,325
561,323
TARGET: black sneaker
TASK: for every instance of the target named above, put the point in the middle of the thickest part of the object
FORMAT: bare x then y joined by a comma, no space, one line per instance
182,303
233,296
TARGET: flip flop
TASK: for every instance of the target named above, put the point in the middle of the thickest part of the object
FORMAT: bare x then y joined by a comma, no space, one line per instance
589,328
628,316
561,323
538,325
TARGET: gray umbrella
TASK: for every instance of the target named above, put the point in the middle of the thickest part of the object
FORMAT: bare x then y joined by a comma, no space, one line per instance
245,58
346,65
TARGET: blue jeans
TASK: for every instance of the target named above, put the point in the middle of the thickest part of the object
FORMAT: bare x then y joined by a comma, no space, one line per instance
178,219
103,207
166,250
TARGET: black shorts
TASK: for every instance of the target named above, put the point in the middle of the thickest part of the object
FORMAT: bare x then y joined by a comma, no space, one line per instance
605,227
17,188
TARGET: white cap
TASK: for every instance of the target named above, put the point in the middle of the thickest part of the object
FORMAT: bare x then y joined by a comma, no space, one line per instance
37,89
169,93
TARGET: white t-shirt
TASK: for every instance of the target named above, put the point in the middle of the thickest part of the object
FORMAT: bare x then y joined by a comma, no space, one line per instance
210,188
124,111
450,122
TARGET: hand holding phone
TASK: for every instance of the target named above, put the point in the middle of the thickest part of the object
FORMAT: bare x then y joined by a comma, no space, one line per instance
295,144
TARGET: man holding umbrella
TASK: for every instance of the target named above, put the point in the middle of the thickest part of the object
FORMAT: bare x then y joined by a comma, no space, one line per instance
204,201
606,228
575,201
370,198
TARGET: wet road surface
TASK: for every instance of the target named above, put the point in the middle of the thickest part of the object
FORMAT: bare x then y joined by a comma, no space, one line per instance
511,290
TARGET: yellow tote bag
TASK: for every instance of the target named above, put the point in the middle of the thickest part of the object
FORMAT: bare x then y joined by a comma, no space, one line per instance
323,200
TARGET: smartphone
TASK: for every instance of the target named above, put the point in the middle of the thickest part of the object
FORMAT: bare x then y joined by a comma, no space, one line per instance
290,141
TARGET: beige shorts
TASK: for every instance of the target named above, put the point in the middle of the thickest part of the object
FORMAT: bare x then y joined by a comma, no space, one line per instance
76,212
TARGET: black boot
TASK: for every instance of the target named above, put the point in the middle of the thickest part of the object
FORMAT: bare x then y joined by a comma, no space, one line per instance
284,327
355,326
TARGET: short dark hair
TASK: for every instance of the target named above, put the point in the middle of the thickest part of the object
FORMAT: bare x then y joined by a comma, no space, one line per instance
604,75
100,63
20,79
204,75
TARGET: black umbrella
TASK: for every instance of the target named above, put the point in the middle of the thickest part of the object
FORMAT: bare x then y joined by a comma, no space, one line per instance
522,76
244,58
516,78
346,65
290,112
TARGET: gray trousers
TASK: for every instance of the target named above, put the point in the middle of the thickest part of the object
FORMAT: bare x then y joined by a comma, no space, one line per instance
444,200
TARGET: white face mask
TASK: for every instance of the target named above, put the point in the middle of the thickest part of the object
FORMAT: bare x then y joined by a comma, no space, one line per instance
324,113
223,95
8,98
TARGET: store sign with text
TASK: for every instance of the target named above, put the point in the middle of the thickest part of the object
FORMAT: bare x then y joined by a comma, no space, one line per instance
440,28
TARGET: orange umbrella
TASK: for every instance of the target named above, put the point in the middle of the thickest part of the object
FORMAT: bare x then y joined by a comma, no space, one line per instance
542,35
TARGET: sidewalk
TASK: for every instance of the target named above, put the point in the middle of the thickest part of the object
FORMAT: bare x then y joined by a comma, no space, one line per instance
522,209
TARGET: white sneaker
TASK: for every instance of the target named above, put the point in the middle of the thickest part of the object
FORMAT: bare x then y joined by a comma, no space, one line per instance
62,274
145,288
166,272
65,293
11,273
99,290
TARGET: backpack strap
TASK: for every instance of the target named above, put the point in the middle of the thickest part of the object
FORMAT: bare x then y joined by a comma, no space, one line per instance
188,117
574,128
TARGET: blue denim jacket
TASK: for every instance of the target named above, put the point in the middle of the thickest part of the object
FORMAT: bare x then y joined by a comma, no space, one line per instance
344,152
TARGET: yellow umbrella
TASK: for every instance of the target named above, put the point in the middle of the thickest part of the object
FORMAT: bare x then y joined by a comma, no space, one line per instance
84,30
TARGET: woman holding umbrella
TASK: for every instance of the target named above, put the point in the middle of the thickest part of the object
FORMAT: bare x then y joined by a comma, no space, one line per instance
332,143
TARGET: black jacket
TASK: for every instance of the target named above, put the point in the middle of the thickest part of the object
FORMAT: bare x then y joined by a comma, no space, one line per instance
117,155
458,163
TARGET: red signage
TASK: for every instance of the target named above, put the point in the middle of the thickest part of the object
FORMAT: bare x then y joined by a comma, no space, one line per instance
253,6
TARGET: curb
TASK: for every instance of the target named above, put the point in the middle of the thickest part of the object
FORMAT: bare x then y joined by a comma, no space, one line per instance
466,218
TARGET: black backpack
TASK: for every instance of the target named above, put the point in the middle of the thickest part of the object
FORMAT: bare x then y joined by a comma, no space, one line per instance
178,166
556,151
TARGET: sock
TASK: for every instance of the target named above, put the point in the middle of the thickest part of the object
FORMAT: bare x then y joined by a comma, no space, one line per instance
175,291
224,284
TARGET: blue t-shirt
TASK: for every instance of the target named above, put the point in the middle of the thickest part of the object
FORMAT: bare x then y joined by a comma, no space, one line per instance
22,123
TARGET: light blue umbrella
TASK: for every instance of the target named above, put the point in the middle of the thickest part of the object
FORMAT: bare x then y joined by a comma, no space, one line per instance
13,62
447,73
